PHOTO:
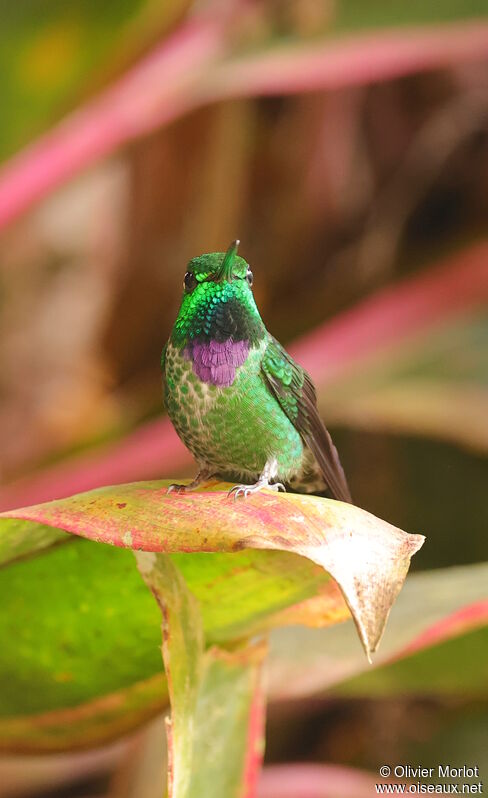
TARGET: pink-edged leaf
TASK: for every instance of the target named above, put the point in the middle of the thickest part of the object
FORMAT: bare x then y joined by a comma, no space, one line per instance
331,353
88,725
193,68
351,61
50,58
158,89
459,622
78,622
395,315
367,557
426,375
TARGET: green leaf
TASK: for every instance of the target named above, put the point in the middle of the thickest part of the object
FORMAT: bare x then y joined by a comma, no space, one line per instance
79,624
213,733
367,557
452,667
85,725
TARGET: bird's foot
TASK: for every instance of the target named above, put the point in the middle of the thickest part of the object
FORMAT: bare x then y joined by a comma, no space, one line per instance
248,490
176,488
201,477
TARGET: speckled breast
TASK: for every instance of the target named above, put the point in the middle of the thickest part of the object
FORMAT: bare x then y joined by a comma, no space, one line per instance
230,421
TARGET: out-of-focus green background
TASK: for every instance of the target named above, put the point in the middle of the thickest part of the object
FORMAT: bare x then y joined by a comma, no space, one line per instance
345,143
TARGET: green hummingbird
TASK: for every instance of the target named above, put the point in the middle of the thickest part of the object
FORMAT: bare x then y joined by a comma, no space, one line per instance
244,408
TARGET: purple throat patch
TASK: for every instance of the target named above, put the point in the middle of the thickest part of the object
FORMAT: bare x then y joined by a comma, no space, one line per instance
215,362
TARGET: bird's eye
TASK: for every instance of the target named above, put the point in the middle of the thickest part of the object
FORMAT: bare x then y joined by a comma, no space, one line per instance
249,276
189,282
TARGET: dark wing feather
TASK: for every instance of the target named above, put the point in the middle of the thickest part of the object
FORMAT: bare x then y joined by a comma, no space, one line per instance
295,392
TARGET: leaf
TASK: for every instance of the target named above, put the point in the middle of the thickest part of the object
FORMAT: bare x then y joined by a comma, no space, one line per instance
198,65
213,732
436,642
428,386
87,725
73,613
437,614
445,668
333,64
152,93
412,358
74,598
367,557
398,315
49,52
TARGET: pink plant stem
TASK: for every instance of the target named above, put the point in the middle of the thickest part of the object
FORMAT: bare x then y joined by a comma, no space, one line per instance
398,313
190,69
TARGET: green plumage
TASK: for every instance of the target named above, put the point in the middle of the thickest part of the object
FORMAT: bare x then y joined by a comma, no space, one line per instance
236,428
239,402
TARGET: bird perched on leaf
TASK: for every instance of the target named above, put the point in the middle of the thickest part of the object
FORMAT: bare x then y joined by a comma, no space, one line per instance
239,402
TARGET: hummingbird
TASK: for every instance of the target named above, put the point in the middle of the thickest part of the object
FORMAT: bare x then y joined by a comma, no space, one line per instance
239,402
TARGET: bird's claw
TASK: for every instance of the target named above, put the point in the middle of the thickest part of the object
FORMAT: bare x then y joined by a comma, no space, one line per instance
239,490
248,490
176,488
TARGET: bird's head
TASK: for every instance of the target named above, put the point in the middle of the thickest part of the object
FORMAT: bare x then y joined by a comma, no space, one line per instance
218,303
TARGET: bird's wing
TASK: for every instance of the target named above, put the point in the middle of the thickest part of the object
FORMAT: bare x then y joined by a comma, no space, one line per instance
295,392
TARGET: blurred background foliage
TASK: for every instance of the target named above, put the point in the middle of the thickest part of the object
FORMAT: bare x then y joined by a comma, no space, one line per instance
53,54
340,193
